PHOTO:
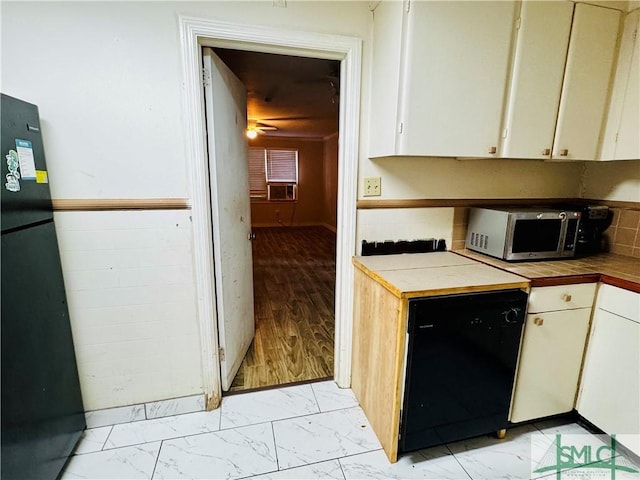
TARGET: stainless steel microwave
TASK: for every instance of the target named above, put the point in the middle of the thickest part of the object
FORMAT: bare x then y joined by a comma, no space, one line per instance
523,233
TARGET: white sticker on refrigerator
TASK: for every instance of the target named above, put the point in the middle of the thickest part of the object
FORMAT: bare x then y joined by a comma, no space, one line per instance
25,157
13,177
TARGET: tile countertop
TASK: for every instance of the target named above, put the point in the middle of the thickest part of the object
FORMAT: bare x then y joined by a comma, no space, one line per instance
617,270
437,273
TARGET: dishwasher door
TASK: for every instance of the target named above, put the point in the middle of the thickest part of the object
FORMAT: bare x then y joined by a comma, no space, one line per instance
461,364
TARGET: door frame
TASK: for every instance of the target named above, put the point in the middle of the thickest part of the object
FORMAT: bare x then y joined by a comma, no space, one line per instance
198,32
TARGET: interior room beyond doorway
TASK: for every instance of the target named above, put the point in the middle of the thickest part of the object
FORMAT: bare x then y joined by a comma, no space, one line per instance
294,278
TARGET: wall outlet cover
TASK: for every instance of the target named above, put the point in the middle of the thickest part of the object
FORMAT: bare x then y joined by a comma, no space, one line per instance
372,187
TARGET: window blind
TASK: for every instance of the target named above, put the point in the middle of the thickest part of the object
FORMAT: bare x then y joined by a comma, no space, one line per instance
282,166
257,175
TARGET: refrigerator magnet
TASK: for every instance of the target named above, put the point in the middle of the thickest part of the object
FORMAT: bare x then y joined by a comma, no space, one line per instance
25,157
13,177
41,176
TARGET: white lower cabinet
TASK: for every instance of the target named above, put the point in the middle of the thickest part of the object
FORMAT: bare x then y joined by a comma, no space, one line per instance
550,360
553,342
610,387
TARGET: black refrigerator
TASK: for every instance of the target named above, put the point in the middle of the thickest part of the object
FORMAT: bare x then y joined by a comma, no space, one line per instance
42,412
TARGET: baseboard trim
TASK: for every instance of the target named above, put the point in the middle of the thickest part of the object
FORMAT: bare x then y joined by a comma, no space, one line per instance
333,228
295,224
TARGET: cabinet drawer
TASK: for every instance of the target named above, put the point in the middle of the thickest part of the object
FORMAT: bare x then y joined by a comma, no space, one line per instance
561,297
619,301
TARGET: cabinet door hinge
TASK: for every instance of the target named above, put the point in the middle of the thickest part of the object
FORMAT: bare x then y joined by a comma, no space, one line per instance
518,23
408,5
221,354
400,127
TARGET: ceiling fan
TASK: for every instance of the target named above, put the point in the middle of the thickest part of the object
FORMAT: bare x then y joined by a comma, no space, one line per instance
255,128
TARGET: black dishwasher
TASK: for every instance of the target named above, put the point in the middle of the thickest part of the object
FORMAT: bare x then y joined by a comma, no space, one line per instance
461,363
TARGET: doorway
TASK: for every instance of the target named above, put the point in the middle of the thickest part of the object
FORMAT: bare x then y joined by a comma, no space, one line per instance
292,125
196,32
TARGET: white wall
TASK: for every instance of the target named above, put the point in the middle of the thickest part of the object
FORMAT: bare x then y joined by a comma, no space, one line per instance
130,290
107,79
612,181
404,224
418,177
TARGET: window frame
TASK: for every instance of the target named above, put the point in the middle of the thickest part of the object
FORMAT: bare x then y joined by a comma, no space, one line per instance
262,196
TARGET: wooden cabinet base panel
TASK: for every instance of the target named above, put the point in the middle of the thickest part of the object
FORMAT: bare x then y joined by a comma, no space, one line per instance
378,336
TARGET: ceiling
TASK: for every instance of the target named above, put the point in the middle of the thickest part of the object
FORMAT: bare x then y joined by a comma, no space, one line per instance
299,96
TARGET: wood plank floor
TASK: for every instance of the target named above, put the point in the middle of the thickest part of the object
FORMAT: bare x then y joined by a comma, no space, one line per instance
294,271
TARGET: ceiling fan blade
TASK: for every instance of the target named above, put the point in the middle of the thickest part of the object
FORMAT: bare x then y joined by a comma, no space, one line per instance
284,119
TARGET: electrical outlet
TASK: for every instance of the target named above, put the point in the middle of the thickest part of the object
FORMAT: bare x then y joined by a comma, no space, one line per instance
372,187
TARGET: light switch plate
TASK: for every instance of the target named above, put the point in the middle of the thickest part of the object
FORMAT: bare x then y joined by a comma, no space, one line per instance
372,187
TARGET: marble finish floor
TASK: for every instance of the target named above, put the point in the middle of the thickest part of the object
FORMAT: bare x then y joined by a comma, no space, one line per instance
310,431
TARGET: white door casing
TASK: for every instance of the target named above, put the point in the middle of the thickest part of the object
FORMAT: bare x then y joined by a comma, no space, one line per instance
226,114
198,32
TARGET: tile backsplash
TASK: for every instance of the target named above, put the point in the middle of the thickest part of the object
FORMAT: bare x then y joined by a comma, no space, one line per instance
622,237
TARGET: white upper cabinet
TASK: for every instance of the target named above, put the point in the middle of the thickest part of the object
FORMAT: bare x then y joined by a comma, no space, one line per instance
585,88
622,138
453,59
536,79
495,79
385,74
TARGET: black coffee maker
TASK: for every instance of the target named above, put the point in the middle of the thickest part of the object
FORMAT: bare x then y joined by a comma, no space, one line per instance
594,221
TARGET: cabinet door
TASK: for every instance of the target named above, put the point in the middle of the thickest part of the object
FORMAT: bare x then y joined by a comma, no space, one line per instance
586,82
385,78
610,391
628,144
536,80
621,134
550,360
455,73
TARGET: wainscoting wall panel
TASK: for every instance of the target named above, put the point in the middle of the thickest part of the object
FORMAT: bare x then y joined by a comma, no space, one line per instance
130,288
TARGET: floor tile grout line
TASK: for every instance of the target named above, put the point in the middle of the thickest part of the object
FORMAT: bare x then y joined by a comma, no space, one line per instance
315,397
210,432
290,418
162,440
344,475
337,459
155,465
458,461
275,446
145,419
330,459
104,444
226,429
